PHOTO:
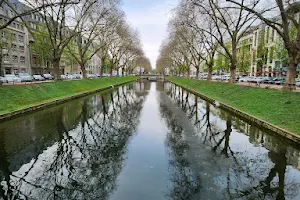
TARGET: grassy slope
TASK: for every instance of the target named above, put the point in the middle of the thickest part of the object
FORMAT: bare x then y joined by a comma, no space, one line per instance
22,96
277,107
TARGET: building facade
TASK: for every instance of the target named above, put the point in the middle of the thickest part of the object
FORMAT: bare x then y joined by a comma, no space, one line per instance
14,45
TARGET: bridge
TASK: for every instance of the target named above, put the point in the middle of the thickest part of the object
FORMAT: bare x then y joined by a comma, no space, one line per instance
152,77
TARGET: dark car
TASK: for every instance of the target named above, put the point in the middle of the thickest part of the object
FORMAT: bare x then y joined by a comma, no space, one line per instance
279,81
273,80
267,80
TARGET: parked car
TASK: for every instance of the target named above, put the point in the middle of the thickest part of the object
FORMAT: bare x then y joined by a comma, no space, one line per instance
11,78
260,80
3,80
38,77
25,77
107,75
225,77
298,83
63,77
77,76
280,81
48,76
244,79
202,76
267,80
91,76
98,75
70,76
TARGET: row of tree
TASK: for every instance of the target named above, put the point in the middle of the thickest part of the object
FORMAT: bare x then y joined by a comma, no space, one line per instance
211,31
76,31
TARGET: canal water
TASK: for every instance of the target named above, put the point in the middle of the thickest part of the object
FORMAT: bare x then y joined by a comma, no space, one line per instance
144,141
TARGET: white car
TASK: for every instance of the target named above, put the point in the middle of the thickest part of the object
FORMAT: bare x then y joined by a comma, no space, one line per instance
63,77
3,80
11,78
37,77
77,76
48,76
245,79
25,77
91,76
298,83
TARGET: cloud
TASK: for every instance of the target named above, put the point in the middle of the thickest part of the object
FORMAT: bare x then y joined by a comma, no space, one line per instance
150,18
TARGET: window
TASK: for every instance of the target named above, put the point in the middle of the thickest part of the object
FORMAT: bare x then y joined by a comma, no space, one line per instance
14,47
15,59
22,27
21,38
22,59
13,36
5,58
47,64
13,25
21,48
34,60
271,56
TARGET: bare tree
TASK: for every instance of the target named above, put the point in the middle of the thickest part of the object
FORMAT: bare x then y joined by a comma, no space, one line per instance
27,7
93,24
230,24
287,18
62,22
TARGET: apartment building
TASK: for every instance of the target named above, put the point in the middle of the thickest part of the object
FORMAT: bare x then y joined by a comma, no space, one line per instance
14,45
19,57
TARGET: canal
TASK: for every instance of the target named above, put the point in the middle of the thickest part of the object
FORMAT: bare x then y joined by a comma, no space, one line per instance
144,141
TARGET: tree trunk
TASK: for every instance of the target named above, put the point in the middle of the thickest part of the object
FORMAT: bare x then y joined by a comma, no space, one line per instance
57,72
210,69
232,75
291,73
102,65
111,70
1,71
188,72
233,61
197,72
123,71
84,73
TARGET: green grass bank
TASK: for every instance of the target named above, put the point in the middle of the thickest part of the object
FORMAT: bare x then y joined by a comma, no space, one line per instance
16,97
280,108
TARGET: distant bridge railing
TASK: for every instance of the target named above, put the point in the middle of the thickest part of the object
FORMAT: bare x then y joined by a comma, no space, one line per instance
152,76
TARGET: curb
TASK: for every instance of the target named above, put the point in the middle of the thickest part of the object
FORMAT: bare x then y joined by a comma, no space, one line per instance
251,118
13,114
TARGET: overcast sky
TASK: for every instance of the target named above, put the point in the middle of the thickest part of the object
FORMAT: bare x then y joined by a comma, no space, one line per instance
150,17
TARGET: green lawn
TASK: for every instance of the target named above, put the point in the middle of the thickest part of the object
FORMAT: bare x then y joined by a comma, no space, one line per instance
16,97
281,108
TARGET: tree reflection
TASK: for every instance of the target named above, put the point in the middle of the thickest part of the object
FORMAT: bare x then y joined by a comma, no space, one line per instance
250,173
88,156
185,183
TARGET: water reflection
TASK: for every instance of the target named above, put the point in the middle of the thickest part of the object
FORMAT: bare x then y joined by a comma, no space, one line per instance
184,183
176,146
74,151
256,164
